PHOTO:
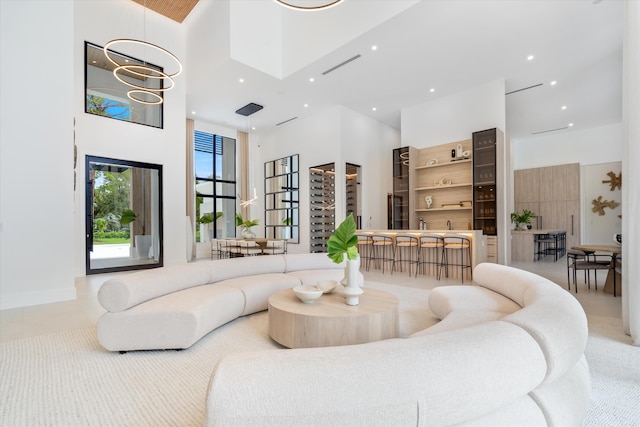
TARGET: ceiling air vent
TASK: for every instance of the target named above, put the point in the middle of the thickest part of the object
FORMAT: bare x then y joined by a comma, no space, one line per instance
524,88
549,130
286,121
342,64
249,109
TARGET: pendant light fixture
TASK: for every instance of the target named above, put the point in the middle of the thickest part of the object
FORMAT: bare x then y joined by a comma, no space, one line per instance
142,70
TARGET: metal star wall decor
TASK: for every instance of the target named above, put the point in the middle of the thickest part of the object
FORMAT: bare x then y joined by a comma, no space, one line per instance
614,181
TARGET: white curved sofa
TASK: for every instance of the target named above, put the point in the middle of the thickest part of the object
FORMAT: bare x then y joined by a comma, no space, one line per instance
173,307
509,352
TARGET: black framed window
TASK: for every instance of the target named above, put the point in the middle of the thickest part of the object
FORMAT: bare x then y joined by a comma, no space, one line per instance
108,96
215,172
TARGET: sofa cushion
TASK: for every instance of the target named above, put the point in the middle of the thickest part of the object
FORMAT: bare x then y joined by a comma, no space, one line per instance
171,321
257,289
125,291
551,315
458,319
446,299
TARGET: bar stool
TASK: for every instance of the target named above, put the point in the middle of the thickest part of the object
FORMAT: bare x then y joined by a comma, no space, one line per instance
431,247
383,249
456,253
365,248
406,250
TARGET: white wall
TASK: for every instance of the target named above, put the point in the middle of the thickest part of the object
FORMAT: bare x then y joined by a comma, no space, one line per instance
599,229
36,153
588,146
336,135
42,245
99,22
455,117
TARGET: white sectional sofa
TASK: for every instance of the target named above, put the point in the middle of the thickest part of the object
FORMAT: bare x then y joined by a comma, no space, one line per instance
509,351
173,307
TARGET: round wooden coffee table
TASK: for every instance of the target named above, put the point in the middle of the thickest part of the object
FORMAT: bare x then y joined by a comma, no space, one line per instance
329,321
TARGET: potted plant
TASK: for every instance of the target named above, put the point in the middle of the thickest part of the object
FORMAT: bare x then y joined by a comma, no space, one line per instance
246,226
207,219
523,220
142,241
344,241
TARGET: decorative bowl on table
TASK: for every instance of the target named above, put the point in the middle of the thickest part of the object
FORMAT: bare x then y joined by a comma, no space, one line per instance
327,286
307,294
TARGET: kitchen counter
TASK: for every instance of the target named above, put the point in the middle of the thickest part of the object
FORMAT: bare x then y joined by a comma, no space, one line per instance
523,243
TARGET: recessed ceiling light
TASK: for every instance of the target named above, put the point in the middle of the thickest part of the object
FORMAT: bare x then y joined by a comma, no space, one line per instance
311,79
241,80
564,107
253,128
553,83
306,105
193,112
432,90
374,47
530,58
570,124
374,109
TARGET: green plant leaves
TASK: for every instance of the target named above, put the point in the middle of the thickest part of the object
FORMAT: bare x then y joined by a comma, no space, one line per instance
127,217
343,241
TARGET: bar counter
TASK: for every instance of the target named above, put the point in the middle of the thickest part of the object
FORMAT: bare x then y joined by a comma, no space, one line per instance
478,240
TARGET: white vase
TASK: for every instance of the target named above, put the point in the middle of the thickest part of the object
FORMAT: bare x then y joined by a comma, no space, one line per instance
352,290
248,234
143,245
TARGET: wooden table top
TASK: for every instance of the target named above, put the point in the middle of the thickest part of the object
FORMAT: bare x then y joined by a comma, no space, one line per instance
614,249
329,321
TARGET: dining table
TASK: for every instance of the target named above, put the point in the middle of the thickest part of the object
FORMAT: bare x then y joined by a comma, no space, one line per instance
613,276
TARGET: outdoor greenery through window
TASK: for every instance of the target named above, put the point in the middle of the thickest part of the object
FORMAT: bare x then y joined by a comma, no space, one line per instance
124,215
215,170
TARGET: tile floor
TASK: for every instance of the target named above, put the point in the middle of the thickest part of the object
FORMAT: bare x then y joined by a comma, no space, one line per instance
84,311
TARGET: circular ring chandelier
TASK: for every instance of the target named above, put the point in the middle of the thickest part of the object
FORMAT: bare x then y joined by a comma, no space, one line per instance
143,70
309,5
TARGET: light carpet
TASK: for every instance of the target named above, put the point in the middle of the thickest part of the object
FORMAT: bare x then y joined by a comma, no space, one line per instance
68,379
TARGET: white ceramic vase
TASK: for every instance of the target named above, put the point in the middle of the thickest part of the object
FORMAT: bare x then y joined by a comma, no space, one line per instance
352,290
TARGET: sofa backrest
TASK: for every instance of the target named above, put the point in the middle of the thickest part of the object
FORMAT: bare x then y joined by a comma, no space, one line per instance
551,315
125,291
315,261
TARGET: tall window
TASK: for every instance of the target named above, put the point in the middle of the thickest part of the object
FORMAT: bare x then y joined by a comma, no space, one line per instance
215,170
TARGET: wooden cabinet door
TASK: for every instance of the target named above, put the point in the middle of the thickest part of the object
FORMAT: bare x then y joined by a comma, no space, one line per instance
547,185
552,215
572,209
559,183
526,185
573,182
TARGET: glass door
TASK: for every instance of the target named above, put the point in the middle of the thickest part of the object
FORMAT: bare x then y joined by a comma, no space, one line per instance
124,215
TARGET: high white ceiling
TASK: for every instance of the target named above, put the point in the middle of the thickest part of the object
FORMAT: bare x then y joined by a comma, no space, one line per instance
448,45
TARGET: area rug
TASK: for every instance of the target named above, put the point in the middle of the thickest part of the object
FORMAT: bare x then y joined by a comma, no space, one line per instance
68,379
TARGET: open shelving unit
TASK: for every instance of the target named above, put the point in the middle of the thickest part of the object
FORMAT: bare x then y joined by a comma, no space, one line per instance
444,175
